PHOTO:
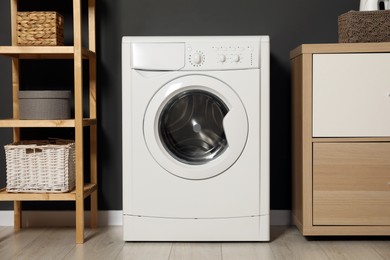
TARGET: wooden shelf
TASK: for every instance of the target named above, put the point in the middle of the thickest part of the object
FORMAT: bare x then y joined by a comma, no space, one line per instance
76,53
45,123
9,196
43,52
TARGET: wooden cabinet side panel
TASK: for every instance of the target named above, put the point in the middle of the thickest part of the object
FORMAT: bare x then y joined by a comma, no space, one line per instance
301,67
296,119
351,183
296,114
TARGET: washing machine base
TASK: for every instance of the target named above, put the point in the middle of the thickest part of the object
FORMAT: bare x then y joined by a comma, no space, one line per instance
139,228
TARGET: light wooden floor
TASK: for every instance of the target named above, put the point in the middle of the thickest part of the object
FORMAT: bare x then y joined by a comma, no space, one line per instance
106,243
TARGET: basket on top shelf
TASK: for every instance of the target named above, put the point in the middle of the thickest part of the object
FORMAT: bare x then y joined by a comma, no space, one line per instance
364,26
40,166
40,28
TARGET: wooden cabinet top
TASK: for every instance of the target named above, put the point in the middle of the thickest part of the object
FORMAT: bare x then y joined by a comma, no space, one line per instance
340,48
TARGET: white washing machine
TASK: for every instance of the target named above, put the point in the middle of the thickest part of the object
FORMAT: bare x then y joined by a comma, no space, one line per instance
195,124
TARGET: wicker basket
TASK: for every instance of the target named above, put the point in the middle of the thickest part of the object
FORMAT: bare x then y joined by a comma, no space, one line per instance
366,26
40,166
40,28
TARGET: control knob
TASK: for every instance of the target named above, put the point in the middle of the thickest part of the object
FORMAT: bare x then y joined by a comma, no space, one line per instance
221,58
236,58
196,58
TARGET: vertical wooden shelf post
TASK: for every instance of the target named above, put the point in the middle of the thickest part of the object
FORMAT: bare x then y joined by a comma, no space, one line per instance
78,100
15,100
92,107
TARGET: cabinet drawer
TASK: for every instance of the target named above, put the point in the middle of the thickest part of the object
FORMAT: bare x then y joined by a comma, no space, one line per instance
351,95
351,183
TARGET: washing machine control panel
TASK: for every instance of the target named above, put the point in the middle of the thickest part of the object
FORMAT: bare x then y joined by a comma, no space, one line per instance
222,55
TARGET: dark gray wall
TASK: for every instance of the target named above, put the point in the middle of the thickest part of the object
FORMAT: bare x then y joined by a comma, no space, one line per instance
289,23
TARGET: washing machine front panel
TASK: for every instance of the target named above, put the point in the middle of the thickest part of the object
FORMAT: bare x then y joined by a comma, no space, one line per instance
153,191
195,127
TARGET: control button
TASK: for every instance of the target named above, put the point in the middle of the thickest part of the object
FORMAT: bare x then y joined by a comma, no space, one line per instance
221,58
196,58
235,58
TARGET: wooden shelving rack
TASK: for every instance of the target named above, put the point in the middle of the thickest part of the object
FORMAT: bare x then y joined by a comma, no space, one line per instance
77,53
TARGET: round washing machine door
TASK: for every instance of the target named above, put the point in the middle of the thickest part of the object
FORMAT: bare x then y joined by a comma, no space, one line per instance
195,127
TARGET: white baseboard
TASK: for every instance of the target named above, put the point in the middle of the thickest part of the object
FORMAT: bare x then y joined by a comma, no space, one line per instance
59,218
105,218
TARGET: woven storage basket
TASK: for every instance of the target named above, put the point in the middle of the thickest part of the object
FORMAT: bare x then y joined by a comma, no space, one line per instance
40,28
40,166
366,26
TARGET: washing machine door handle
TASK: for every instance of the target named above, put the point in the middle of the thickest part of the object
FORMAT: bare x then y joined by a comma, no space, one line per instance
235,124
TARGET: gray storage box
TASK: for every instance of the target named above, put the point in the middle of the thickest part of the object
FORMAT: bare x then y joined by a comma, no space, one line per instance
44,104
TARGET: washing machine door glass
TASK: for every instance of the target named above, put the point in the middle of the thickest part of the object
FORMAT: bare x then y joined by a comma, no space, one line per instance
195,127
191,127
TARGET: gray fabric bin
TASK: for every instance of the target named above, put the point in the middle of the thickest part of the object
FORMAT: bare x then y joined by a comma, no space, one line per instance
44,104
